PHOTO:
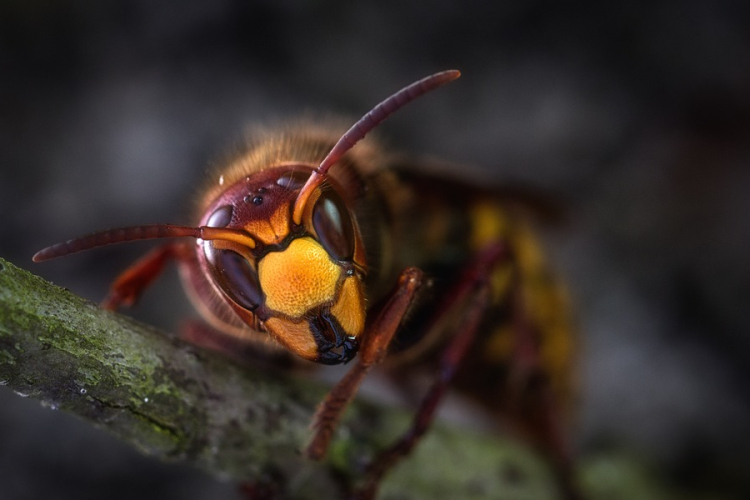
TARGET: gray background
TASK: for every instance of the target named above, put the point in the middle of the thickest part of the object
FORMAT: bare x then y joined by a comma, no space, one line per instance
635,114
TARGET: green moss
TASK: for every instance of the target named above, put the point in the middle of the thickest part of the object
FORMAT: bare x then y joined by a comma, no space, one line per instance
6,358
18,320
470,466
168,401
88,376
608,476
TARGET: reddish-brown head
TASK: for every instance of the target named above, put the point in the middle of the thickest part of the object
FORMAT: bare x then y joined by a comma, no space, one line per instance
282,246
301,282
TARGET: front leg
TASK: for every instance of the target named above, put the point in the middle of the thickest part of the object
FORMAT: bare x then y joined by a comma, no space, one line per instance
131,283
377,338
473,289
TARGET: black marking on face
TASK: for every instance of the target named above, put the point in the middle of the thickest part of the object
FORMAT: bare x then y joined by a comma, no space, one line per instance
334,346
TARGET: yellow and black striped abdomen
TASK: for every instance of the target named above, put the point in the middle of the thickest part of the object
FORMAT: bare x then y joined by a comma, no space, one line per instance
544,302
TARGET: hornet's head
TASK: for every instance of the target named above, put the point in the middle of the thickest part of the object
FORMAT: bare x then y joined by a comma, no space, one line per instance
301,282
282,246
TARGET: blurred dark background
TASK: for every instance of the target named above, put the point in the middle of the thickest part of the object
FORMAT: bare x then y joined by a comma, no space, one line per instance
636,114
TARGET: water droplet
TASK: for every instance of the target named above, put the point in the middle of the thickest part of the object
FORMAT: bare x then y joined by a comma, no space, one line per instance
145,400
83,390
50,404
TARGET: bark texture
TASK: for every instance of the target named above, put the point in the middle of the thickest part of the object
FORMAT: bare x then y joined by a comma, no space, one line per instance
176,402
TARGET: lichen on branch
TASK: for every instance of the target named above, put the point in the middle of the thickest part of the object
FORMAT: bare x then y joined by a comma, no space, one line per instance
176,402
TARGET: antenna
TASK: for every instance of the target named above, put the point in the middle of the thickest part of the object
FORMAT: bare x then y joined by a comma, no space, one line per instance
365,125
146,232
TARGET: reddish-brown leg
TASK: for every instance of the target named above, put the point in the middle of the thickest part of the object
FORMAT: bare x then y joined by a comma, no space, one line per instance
473,285
374,348
131,283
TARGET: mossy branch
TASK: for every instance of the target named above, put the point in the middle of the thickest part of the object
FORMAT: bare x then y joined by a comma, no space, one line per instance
176,402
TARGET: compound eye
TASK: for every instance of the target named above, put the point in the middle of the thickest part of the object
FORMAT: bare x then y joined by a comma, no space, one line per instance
237,278
221,217
333,225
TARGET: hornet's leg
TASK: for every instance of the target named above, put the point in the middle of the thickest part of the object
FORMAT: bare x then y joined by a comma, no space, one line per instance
377,337
474,286
131,283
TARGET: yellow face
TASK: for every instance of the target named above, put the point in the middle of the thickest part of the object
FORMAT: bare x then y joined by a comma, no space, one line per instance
308,296
301,283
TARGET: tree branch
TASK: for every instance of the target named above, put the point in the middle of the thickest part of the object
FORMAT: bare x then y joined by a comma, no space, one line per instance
176,402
